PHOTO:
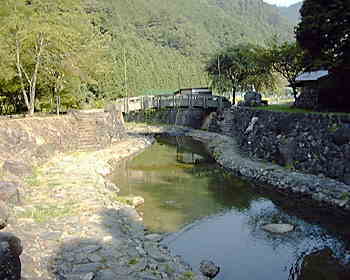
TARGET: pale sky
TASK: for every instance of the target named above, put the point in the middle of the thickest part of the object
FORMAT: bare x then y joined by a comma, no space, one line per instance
282,2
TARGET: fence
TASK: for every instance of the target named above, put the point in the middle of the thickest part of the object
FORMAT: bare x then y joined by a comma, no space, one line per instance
184,101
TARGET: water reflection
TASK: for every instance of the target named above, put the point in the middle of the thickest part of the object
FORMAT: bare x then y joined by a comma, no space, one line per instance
210,214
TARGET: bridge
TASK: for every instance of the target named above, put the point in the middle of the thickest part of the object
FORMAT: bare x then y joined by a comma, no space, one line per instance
190,101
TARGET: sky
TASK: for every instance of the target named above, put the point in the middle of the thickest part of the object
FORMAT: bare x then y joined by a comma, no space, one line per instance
282,2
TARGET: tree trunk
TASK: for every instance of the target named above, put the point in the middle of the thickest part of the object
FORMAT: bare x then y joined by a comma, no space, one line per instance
20,74
233,96
39,48
295,93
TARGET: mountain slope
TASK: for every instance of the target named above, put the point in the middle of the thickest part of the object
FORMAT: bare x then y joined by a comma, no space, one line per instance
163,44
292,12
193,26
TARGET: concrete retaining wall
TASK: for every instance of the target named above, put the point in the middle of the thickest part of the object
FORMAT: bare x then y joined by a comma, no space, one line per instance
186,117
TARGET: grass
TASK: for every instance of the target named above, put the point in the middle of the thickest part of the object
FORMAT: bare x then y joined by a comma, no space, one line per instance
42,214
289,109
32,180
121,199
283,108
188,275
133,261
345,196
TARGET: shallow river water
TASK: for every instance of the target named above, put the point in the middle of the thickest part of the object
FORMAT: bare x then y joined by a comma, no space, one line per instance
209,214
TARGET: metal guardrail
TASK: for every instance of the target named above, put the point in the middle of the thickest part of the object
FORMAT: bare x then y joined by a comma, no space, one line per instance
183,101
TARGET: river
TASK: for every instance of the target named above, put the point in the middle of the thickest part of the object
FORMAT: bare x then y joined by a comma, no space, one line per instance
207,213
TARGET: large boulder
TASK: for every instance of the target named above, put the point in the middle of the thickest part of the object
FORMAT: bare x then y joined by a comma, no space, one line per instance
322,264
10,250
209,269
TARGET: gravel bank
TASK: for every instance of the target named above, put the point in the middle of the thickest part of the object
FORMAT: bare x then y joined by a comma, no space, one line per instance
73,227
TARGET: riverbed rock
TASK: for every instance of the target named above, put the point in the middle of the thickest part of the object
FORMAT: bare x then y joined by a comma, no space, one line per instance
129,213
209,269
111,186
323,264
154,237
135,200
4,215
10,250
278,228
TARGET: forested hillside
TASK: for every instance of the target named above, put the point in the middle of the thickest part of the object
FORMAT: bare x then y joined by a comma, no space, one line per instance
292,12
101,49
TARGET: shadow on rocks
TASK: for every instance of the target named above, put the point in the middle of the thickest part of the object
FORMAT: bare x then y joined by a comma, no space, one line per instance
116,246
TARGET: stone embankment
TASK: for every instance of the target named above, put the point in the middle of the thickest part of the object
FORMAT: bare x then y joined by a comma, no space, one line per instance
73,227
317,144
322,191
65,217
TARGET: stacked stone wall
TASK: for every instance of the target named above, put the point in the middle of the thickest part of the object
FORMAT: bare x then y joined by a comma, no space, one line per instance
312,143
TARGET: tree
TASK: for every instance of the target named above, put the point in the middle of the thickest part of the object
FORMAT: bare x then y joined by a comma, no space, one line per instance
239,67
46,42
324,33
287,60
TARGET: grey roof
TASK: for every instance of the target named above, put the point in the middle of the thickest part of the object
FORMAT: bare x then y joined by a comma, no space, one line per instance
312,76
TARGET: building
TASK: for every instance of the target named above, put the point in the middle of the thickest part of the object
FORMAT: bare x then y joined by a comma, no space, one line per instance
311,84
194,91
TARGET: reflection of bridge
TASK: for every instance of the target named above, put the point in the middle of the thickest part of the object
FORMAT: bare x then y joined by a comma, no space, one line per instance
172,101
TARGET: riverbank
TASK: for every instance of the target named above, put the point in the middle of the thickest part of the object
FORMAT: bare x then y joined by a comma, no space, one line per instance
330,194
73,226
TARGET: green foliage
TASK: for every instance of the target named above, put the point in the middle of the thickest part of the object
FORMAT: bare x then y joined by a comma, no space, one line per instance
282,108
239,67
88,52
324,33
48,46
286,59
345,196
133,261
45,213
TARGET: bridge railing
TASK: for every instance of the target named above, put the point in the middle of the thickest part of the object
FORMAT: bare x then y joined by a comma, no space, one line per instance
165,101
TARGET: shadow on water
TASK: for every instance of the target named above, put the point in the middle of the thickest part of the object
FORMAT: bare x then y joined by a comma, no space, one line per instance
210,214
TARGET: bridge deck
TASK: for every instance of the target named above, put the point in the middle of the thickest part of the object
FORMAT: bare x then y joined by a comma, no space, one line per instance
159,102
